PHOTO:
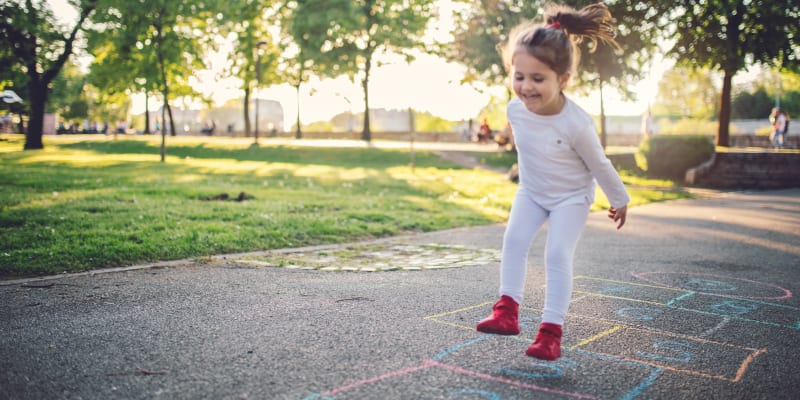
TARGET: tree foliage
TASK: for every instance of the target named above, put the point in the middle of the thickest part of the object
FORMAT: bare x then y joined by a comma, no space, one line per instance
304,31
486,23
687,92
480,27
68,96
38,46
752,105
162,42
255,55
730,35
346,35
755,99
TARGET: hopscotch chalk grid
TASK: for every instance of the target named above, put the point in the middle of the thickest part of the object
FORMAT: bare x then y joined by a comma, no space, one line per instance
624,327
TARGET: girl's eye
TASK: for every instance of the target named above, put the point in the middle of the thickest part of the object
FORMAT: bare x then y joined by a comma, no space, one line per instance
538,80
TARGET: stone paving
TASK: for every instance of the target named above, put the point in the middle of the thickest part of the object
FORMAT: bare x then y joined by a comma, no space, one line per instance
375,257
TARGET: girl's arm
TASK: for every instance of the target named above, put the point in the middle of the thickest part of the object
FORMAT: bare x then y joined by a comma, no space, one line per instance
588,147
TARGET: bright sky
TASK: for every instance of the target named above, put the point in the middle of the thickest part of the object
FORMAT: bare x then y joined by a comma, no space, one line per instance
428,84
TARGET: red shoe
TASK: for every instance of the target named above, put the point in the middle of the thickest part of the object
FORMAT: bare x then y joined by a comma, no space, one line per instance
547,345
504,318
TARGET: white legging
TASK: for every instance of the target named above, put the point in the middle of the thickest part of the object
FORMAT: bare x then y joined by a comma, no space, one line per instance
564,230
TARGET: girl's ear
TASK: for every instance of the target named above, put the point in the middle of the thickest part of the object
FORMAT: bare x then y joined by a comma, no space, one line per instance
562,81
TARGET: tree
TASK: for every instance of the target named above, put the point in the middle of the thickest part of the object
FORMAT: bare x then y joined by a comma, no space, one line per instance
730,35
41,47
303,34
68,95
122,65
107,107
479,29
638,31
255,55
14,78
687,92
348,34
168,37
427,122
488,22
751,105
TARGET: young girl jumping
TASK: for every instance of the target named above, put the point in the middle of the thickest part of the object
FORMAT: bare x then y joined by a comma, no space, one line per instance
559,158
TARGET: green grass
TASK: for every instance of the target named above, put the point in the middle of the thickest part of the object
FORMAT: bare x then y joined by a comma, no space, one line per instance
83,204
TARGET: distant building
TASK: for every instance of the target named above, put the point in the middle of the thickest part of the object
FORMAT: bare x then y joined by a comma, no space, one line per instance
186,121
380,120
383,120
270,116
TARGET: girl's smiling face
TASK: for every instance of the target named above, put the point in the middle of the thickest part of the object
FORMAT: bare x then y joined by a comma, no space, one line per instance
537,85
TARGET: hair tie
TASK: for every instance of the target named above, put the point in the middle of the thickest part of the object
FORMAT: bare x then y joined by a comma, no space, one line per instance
554,25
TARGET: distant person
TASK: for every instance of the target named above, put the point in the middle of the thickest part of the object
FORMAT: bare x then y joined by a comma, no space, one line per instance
209,128
5,122
648,126
505,140
779,120
559,158
484,132
466,130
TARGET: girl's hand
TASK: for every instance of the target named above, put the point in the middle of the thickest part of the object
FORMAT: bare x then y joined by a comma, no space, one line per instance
618,215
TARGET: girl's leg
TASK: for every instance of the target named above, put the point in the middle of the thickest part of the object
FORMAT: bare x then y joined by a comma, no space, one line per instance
525,219
566,225
564,230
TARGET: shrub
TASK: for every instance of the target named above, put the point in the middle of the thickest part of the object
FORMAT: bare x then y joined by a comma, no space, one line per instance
669,156
688,126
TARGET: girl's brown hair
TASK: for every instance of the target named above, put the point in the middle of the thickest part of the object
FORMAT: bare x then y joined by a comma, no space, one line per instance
555,42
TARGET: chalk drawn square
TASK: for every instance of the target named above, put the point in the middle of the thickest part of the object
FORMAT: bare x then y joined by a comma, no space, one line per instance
677,353
642,314
757,312
625,290
503,357
434,380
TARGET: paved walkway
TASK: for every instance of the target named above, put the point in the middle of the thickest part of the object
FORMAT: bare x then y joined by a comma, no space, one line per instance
693,299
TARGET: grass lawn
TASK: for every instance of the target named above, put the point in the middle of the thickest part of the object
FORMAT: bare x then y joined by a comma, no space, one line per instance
88,203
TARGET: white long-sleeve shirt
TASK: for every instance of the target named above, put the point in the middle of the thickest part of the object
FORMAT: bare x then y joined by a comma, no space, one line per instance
560,157
780,123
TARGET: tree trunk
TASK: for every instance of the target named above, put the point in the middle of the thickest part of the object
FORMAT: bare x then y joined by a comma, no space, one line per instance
39,82
298,133
37,94
366,135
165,90
603,137
723,135
146,113
247,111
163,132
171,120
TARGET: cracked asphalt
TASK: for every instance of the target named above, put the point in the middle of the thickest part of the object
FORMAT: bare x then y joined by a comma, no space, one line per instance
692,299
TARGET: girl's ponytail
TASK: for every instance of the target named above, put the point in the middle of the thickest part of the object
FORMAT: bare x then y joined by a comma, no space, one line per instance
592,22
554,43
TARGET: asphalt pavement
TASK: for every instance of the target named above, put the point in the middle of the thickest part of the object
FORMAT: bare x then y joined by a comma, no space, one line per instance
692,299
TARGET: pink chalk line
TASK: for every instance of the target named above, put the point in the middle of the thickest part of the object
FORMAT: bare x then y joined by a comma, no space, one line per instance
430,363
399,372
463,371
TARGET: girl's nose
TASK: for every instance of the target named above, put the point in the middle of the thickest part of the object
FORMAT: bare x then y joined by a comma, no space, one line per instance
527,85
